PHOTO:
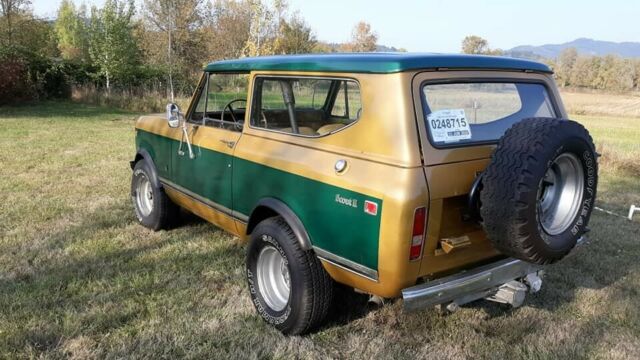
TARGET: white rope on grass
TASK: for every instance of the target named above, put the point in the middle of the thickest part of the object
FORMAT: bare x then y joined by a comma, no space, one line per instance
632,209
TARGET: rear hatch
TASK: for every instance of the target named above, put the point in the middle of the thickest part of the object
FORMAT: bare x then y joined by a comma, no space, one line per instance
461,115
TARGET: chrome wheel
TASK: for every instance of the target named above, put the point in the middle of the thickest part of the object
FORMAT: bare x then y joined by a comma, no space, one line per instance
273,278
144,195
560,194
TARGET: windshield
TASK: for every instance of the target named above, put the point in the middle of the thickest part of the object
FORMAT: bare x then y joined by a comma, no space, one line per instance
480,112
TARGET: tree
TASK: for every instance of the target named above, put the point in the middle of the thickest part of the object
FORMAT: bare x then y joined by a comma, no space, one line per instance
111,44
474,45
262,30
322,48
294,37
229,29
180,22
363,39
566,62
71,29
478,46
12,12
584,72
618,74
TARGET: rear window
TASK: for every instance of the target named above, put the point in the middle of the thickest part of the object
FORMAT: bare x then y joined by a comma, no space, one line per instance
480,112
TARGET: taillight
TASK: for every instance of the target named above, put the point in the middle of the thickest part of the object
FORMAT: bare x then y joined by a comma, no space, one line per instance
417,237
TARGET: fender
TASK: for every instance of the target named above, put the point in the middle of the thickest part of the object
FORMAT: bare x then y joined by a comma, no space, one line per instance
144,154
272,205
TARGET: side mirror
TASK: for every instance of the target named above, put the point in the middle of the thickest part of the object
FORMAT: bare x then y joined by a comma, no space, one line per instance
173,115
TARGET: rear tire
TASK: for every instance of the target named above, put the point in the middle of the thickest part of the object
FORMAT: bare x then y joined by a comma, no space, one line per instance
539,189
288,286
153,207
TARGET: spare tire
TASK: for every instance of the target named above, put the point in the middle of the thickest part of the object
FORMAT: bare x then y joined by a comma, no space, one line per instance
539,189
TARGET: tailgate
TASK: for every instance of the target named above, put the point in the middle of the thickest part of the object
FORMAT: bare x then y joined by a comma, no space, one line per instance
460,116
452,242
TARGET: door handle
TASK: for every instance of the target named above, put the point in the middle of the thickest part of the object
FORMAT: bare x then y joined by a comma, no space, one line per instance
230,143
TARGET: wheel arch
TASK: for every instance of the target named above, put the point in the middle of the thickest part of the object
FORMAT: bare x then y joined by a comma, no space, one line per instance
270,207
143,154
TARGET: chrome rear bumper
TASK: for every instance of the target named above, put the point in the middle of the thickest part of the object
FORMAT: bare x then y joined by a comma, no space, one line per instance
486,281
466,286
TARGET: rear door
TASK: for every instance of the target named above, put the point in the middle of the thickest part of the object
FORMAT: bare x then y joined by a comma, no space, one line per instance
461,115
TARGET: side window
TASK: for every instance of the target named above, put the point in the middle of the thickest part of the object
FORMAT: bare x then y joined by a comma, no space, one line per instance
305,106
347,104
222,101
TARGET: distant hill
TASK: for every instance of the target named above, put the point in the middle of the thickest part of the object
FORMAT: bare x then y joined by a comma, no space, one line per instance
583,45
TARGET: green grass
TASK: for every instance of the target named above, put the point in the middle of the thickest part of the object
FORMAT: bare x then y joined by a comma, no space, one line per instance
79,278
618,140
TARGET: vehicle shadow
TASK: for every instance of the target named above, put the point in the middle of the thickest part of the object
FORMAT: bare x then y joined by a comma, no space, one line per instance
346,307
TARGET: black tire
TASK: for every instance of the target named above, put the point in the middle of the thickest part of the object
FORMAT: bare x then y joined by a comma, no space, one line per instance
311,288
163,212
516,182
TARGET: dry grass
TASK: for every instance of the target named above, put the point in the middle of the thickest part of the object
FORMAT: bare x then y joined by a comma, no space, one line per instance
80,279
586,103
141,101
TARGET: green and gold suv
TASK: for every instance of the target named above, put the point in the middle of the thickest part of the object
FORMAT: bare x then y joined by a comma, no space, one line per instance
441,179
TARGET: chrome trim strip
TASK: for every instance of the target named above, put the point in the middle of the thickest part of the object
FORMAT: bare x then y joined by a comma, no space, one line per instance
239,216
215,206
346,264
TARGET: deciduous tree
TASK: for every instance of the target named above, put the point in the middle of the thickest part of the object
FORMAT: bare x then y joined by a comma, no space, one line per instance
363,38
229,29
12,13
566,61
112,46
476,45
294,37
262,30
71,30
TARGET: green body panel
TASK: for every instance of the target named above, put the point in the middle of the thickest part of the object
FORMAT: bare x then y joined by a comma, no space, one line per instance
160,149
207,175
375,63
344,230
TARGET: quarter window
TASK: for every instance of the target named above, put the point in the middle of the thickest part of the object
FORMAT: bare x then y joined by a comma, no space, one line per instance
305,106
347,103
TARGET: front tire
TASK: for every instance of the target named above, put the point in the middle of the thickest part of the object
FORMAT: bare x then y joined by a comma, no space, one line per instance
153,207
288,286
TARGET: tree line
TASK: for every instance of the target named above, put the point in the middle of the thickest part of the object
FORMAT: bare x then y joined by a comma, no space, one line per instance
162,45
611,72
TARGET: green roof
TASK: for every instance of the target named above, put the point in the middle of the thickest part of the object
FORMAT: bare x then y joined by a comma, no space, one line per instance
376,63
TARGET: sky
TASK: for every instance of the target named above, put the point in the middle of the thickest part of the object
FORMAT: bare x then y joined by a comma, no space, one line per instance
440,25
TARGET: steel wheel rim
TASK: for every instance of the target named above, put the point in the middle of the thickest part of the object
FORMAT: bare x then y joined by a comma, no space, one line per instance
560,194
273,278
144,195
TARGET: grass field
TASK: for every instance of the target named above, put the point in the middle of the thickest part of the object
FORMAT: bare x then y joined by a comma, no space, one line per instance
79,278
